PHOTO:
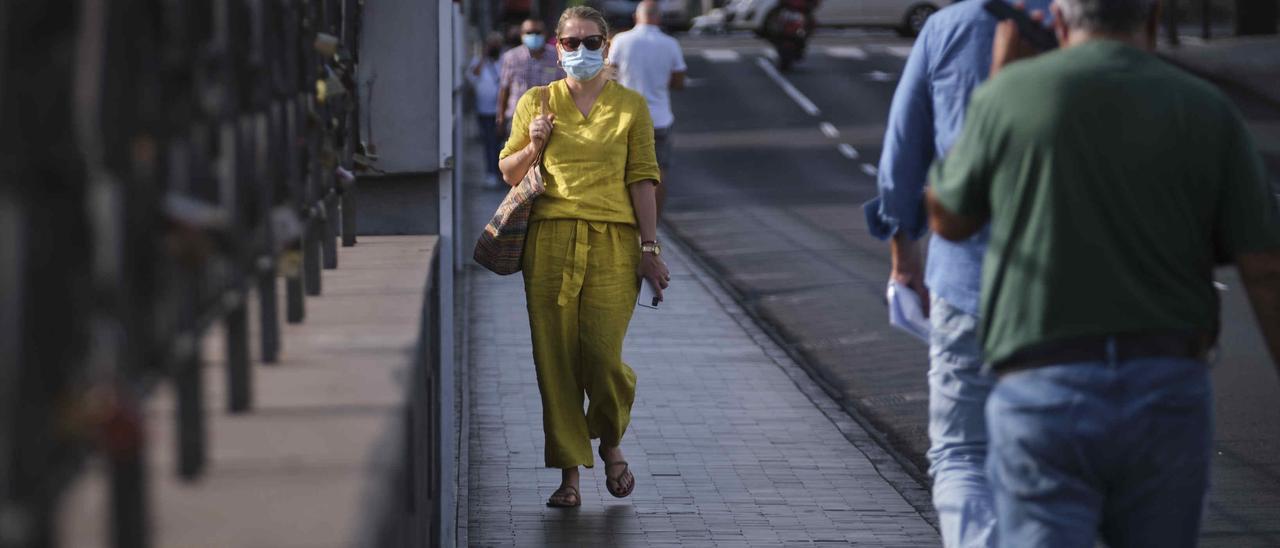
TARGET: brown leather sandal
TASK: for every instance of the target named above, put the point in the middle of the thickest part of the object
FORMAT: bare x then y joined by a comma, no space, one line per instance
611,481
562,498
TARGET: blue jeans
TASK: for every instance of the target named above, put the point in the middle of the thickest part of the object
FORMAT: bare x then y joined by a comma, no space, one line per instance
489,140
1119,449
958,391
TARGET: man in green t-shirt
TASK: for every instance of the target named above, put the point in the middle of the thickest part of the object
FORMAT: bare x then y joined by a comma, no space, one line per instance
1114,183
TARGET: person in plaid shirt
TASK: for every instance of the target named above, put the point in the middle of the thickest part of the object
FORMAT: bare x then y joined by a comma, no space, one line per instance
523,67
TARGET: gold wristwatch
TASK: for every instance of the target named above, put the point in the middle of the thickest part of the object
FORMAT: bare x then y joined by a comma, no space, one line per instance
651,247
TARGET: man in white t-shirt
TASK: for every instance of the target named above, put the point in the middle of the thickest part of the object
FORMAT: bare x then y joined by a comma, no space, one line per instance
650,62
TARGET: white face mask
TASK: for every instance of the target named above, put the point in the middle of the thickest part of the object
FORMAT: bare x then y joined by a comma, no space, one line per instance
583,64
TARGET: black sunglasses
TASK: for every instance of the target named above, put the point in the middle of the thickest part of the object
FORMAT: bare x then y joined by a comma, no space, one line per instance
571,43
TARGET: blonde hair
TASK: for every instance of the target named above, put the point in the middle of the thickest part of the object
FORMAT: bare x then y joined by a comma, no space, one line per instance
585,13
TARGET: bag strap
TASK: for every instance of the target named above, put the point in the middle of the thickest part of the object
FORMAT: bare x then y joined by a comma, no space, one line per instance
545,107
546,99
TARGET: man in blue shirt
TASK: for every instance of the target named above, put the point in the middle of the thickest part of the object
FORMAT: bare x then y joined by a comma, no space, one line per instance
950,58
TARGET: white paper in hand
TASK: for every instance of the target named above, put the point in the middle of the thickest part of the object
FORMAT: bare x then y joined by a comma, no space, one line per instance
906,312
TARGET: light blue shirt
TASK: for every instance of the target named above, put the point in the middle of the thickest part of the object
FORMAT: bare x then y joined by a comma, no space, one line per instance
950,58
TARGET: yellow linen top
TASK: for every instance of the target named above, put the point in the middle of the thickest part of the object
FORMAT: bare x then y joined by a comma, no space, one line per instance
590,161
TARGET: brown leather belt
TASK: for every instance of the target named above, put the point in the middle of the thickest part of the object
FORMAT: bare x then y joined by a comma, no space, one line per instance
1094,348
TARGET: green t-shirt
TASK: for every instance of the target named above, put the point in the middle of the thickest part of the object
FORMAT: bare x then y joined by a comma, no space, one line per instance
1114,183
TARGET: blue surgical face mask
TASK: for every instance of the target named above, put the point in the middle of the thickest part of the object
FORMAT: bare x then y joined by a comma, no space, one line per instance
583,64
534,41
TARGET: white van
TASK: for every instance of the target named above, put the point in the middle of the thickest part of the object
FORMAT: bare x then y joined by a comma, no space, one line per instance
907,16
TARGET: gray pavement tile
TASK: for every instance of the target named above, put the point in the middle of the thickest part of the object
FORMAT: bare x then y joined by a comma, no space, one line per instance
727,444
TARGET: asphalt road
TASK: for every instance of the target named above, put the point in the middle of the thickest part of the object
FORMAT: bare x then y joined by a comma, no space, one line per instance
769,174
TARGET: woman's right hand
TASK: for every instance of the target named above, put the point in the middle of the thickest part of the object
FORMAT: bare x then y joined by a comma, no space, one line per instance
540,129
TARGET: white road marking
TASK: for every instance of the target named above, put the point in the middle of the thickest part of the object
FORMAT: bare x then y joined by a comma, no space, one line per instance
786,86
880,76
848,151
870,169
770,53
1220,286
900,51
721,55
847,52
829,130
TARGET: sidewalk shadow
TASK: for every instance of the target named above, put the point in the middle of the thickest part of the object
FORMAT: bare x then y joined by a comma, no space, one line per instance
589,526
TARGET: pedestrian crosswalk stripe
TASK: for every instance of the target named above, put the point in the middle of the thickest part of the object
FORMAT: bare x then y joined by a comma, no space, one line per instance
791,91
720,55
847,52
900,51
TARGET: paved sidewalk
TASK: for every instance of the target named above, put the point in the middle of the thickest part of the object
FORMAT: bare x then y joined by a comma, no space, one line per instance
731,443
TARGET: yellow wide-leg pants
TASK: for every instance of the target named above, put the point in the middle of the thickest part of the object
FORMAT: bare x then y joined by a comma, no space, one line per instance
581,286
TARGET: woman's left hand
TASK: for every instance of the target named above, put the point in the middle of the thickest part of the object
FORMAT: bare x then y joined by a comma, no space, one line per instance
655,272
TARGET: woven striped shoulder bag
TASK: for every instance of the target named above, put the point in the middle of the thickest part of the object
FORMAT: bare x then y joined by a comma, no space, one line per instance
502,242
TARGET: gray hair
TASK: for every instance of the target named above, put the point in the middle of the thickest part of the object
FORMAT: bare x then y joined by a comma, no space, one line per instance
1112,16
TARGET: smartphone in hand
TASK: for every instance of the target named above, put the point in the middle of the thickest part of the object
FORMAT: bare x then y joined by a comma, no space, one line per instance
648,296
1033,32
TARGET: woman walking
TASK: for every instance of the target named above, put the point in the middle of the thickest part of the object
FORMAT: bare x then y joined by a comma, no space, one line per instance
589,236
